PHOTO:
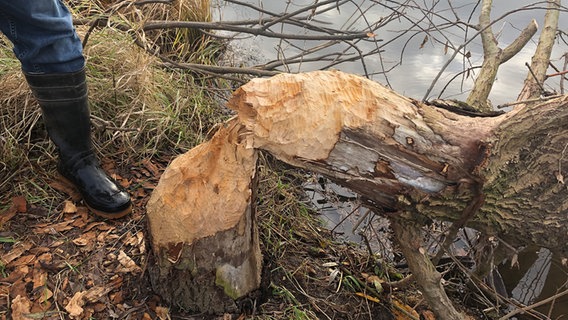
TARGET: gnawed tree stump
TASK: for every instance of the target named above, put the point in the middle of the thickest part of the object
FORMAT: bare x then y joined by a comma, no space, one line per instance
202,224
502,175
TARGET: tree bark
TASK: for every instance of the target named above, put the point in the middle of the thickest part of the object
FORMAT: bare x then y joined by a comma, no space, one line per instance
539,64
204,235
493,57
500,175
409,238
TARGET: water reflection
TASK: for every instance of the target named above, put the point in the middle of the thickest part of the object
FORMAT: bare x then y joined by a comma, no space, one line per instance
539,275
401,59
531,284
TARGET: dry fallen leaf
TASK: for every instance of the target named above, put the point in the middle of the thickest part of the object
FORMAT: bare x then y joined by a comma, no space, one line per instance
66,188
154,170
16,275
96,293
19,205
69,207
17,250
128,265
141,242
53,228
23,260
163,313
20,308
402,311
75,305
88,238
130,240
41,300
39,278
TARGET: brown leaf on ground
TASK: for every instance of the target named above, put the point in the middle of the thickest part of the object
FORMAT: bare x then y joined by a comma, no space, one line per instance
127,265
18,288
96,293
402,311
64,187
117,297
39,277
163,313
19,205
21,306
16,274
75,305
136,241
153,169
42,300
69,207
17,250
53,228
6,215
87,239
23,260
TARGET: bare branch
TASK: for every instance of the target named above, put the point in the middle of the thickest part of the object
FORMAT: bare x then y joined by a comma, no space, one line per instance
541,57
520,41
493,57
468,41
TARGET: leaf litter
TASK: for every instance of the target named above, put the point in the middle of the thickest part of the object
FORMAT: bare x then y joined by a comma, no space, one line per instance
66,263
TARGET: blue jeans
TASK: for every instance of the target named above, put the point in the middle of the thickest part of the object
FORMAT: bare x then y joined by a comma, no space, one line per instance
43,36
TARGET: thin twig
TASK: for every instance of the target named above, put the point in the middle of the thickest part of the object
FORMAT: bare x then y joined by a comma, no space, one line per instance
539,99
534,305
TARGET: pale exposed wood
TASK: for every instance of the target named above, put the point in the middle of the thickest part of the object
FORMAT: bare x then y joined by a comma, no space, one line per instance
360,132
413,161
202,221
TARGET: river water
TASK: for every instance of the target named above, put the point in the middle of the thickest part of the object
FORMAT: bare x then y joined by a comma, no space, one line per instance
409,63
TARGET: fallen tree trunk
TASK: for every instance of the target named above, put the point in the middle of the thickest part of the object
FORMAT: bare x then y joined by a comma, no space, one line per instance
502,175
405,156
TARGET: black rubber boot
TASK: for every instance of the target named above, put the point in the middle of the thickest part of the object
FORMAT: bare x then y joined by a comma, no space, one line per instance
64,103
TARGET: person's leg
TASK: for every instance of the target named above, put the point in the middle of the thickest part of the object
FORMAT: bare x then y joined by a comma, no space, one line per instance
42,34
52,61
